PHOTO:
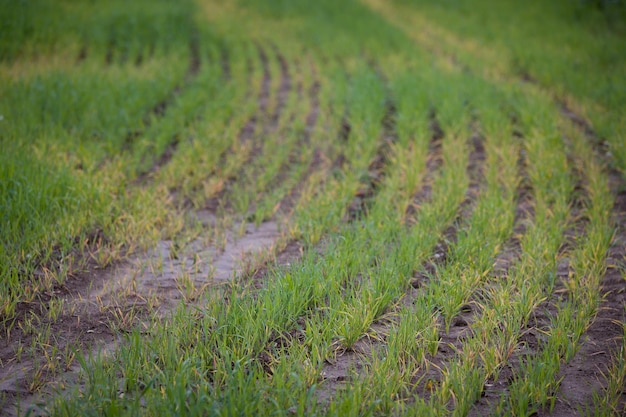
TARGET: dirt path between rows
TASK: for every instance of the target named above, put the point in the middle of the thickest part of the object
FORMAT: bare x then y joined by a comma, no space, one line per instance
101,305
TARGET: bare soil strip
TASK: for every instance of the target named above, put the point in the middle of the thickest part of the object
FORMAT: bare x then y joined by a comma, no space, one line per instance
99,304
529,343
194,55
584,374
288,203
376,169
338,372
160,109
504,261
284,88
580,122
475,172
225,64
139,59
524,214
108,58
313,115
247,131
82,55
428,378
434,161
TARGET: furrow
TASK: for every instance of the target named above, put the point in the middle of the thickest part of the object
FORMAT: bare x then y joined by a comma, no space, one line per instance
301,159
264,96
254,195
474,170
284,89
461,344
282,211
195,61
434,162
393,268
326,194
108,57
376,170
225,64
453,51
256,179
288,203
232,161
252,124
454,285
82,55
204,162
516,313
158,114
594,288
155,116
512,251
429,366
355,279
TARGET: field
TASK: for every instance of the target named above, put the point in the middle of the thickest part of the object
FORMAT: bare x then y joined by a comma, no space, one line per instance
271,207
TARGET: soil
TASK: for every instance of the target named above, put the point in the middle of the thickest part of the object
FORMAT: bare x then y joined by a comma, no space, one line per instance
337,373
146,284
434,161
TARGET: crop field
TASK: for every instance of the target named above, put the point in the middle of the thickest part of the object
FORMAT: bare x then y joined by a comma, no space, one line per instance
312,208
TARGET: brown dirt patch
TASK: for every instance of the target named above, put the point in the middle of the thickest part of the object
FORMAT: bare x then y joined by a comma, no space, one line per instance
99,305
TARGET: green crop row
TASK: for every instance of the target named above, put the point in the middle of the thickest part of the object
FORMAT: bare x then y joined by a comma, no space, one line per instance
386,138
574,50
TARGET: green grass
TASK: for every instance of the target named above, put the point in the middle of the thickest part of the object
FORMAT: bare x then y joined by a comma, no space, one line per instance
573,50
405,128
